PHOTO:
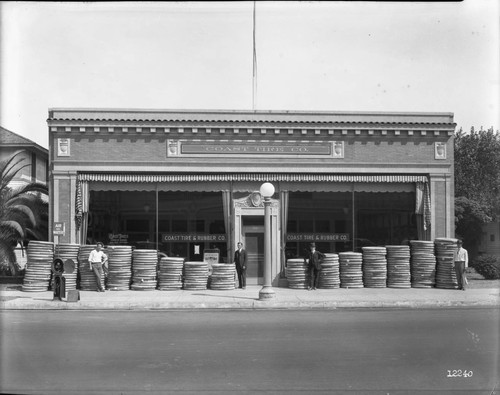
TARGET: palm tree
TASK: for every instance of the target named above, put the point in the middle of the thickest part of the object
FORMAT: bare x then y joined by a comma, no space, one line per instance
23,211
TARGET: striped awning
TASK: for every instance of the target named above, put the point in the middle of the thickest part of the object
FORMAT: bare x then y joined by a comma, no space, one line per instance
83,180
259,177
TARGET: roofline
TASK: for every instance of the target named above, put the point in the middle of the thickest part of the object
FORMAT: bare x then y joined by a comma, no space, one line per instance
248,112
244,116
29,143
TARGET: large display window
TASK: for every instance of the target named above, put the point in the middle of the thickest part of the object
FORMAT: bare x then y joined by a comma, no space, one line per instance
348,221
176,223
384,218
320,215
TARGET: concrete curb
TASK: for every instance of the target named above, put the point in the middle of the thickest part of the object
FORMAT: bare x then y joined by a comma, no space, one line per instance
276,306
286,299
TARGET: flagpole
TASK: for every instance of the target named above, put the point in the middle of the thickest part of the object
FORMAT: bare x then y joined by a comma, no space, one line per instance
254,71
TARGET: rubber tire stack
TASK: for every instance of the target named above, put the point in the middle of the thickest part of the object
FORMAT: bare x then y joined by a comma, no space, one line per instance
398,266
170,273
351,272
223,276
65,252
374,267
119,268
144,266
422,264
297,273
195,275
446,276
40,255
329,277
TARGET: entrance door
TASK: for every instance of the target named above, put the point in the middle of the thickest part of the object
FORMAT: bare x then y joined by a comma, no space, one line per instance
253,239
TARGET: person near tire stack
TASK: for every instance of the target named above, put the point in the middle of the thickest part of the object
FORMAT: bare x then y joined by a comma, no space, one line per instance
97,258
315,258
461,262
240,260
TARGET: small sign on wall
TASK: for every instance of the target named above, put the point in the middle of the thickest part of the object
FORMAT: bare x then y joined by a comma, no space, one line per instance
59,229
211,257
318,237
193,237
63,147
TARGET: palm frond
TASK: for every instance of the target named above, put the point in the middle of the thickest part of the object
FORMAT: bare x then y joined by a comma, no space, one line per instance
29,188
26,211
10,168
36,234
6,165
13,226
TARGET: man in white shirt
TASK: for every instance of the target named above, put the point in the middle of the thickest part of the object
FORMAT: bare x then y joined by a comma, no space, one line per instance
461,262
96,259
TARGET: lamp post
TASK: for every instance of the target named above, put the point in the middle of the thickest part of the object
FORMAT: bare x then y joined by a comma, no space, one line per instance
267,292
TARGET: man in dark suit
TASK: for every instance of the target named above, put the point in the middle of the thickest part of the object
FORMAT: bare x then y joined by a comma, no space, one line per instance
315,258
240,260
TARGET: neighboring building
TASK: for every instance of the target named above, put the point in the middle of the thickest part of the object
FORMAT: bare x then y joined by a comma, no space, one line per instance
490,240
186,181
37,157
36,166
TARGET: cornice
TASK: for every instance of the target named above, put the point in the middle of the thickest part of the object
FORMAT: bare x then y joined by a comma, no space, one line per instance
74,128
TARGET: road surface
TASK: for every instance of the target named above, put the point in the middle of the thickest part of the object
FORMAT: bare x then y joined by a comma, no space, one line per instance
336,351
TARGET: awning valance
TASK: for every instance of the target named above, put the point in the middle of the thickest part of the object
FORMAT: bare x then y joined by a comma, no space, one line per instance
260,177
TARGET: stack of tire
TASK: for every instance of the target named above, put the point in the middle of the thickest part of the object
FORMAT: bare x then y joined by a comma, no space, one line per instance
445,257
297,273
351,272
87,277
195,275
65,252
223,276
119,267
144,266
329,277
422,264
40,255
170,273
398,266
374,267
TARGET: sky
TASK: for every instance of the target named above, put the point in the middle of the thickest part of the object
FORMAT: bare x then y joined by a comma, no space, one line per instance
310,56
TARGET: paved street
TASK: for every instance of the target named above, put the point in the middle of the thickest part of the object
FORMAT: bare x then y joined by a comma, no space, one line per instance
279,351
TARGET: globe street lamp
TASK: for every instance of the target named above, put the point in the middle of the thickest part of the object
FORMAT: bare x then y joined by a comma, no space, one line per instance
267,292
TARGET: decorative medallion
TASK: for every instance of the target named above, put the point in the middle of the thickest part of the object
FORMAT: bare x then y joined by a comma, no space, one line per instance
253,201
439,150
338,149
256,199
63,147
173,148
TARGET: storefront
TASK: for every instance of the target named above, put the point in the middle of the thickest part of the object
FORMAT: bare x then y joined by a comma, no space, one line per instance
183,182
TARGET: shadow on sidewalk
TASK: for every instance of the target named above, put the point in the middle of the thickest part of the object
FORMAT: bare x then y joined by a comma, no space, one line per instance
9,298
229,297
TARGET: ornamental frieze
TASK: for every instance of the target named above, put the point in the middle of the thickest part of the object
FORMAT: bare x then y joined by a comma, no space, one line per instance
254,200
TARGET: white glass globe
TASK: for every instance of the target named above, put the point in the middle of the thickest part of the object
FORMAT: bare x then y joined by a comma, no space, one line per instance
267,190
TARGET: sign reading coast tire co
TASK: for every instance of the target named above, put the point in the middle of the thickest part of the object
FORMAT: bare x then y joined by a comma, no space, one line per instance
190,148
326,237
193,237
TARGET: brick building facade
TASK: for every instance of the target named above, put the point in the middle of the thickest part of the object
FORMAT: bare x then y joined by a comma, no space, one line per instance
186,181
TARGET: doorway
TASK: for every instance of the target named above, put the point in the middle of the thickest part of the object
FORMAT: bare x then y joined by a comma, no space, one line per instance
253,241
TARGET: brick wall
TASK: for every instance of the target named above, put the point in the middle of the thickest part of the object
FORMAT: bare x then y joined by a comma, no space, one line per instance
152,149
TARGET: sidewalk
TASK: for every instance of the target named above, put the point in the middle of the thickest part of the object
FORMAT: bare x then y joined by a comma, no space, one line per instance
12,298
